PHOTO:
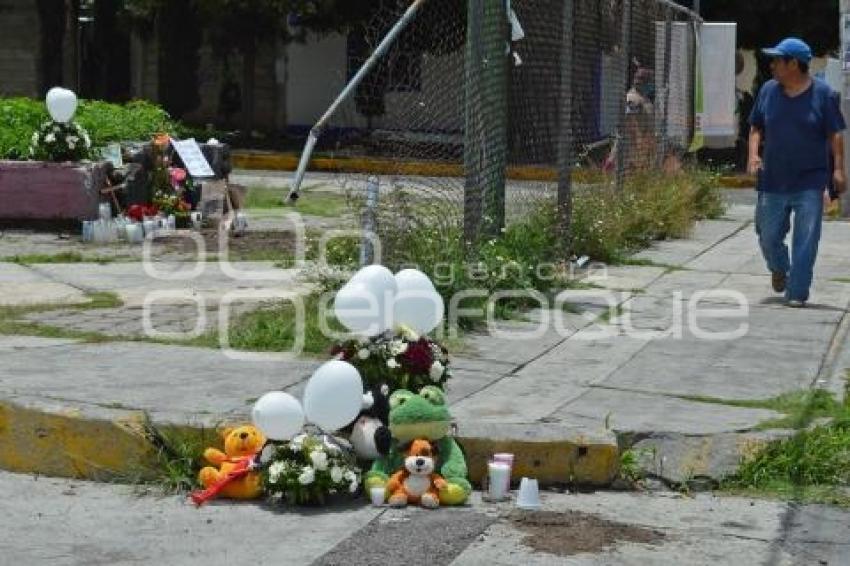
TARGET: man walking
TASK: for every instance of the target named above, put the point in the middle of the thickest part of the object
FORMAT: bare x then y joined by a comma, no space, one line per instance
800,122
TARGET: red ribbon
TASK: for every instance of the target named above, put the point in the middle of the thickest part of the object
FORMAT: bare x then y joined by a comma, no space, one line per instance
242,468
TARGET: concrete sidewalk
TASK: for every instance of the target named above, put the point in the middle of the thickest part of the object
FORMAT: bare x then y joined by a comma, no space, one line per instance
57,522
564,399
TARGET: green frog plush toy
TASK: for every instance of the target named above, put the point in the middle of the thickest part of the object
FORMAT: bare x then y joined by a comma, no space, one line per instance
423,416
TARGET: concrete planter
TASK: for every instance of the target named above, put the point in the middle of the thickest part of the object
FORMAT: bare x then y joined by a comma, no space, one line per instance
42,192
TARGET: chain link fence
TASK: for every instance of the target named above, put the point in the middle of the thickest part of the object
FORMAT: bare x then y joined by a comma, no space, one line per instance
484,110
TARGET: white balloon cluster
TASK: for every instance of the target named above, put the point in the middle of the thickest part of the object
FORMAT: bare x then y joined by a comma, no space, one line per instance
61,104
374,300
332,399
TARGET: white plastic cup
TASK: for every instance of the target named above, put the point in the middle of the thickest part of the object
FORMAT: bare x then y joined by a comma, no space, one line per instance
378,496
499,476
529,494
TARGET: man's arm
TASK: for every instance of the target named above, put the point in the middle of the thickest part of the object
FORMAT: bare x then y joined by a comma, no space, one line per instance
836,143
754,162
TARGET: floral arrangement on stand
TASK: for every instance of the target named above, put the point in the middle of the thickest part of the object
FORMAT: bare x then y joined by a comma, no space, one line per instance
390,343
60,138
57,141
170,186
402,360
309,469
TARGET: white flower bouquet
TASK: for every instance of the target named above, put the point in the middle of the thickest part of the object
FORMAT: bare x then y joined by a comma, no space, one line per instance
57,141
308,470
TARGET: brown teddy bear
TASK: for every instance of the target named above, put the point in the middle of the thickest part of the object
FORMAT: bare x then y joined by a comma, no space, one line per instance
233,476
416,482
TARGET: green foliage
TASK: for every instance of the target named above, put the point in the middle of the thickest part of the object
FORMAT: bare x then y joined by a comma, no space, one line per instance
765,23
273,329
179,457
607,225
811,465
136,120
801,408
20,118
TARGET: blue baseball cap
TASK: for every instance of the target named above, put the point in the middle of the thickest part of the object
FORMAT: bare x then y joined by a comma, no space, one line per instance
790,47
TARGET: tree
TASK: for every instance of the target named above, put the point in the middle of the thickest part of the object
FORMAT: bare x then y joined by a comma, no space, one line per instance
245,26
766,22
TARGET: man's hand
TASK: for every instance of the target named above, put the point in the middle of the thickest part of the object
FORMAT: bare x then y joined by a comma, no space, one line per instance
754,165
839,181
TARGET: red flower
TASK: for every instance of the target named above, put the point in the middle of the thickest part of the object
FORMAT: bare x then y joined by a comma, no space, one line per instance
339,351
136,212
418,358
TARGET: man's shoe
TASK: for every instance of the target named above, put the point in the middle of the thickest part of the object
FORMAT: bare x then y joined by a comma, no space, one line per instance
795,304
778,280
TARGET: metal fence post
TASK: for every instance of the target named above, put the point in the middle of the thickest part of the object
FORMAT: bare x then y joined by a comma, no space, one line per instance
367,248
565,133
621,141
486,120
663,130
844,14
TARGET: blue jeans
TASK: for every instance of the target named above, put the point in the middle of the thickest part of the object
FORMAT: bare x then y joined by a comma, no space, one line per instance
773,221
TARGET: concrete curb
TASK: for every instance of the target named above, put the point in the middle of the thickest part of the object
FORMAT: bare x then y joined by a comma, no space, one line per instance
93,443
273,161
257,160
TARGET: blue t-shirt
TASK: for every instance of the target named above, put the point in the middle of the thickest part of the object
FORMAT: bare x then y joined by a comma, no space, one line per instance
796,136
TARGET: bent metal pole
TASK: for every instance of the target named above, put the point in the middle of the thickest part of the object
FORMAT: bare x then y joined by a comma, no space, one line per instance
316,131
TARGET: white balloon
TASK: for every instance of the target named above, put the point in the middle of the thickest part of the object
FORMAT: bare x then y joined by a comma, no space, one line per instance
417,304
413,279
61,104
377,279
333,396
360,310
278,415
421,310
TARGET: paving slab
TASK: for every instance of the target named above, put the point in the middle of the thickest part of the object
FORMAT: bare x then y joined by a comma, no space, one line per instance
729,369
80,523
173,384
679,252
701,530
21,286
207,281
631,412
62,522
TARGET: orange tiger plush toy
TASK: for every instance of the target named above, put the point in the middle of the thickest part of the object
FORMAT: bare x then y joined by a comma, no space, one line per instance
416,482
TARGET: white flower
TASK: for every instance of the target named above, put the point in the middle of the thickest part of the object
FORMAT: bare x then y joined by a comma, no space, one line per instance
297,443
35,138
392,364
363,354
397,347
50,138
437,370
56,128
71,145
275,470
350,476
308,475
353,486
336,474
408,333
72,139
319,459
